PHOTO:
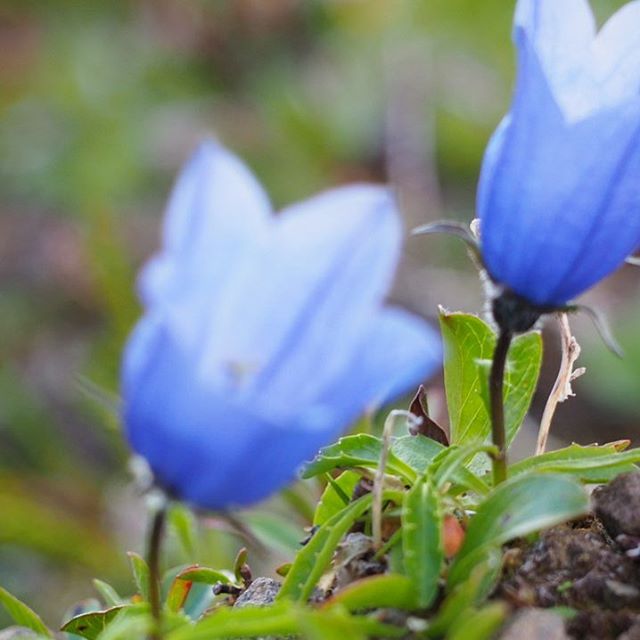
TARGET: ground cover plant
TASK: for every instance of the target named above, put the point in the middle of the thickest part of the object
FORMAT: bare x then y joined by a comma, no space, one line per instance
266,350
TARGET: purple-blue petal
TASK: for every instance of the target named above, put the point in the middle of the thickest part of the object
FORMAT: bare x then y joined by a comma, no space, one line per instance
559,200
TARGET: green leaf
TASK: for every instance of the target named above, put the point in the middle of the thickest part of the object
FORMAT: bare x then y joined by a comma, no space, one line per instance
481,624
330,502
285,619
90,625
422,540
204,575
108,593
362,450
467,595
274,532
469,344
518,507
183,523
312,560
329,624
450,463
178,591
140,572
373,592
416,452
276,620
592,463
22,615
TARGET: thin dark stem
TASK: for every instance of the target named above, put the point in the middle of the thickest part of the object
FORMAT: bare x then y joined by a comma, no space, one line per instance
496,383
153,558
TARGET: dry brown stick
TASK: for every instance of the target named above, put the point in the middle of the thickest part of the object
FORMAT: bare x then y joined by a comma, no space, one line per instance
562,386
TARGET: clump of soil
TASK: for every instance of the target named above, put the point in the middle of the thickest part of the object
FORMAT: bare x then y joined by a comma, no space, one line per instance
591,566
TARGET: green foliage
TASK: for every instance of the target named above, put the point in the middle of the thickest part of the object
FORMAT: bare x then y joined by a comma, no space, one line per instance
91,625
469,343
422,540
21,614
590,463
316,555
518,507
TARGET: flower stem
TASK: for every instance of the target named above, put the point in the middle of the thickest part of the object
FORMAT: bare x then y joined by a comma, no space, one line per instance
153,559
496,384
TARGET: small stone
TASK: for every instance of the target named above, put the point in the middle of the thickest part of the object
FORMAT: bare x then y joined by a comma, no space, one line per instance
260,593
617,504
535,624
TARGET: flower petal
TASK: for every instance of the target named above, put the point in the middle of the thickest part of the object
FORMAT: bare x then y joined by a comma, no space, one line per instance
201,445
306,297
216,211
562,32
617,55
398,351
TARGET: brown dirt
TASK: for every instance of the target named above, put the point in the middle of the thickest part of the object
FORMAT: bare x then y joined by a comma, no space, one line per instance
582,567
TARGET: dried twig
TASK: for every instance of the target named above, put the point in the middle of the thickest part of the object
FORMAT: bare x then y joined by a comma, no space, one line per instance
562,386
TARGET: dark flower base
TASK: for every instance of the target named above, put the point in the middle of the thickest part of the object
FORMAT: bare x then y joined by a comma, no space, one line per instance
514,314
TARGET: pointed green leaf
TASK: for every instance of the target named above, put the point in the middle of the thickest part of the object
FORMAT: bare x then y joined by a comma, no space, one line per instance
205,575
312,560
374,592
422,544
183,523
592,463
140,572
518,507
108,593
469,344
331,502
21,614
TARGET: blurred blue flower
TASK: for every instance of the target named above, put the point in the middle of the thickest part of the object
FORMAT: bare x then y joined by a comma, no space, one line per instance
264,336
559,195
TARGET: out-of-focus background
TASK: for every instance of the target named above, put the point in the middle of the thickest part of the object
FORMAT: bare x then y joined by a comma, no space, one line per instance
101,102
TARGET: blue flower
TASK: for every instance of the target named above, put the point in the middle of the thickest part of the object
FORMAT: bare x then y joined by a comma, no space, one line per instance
264,336
559,195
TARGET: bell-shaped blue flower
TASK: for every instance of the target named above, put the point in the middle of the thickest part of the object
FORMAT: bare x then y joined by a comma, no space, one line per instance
264,336
559,195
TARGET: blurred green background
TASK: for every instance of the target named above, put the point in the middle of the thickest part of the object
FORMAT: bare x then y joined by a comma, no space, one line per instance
100,103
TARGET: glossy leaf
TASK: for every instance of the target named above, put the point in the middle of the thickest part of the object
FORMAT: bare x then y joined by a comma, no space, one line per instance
381,591
21,614
518,507
592,463
312,560
331,502
422,540
90,625
469,344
